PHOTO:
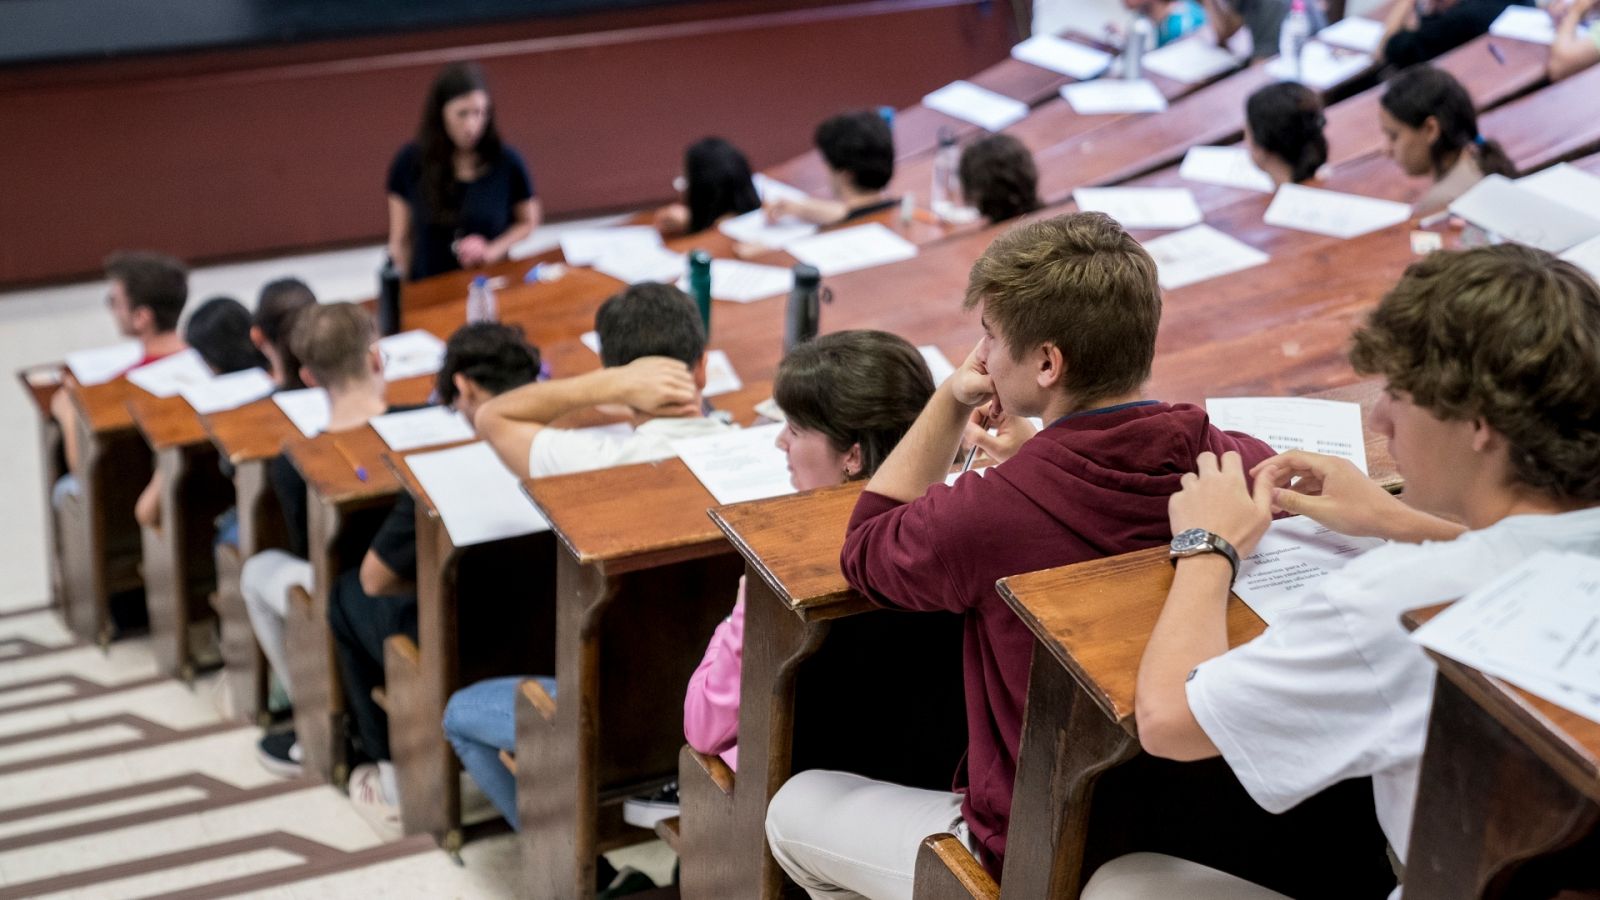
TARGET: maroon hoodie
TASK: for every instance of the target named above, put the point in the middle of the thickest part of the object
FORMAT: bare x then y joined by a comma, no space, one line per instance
1090,485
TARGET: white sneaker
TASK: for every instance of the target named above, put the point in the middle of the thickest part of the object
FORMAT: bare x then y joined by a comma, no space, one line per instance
366,793
645,810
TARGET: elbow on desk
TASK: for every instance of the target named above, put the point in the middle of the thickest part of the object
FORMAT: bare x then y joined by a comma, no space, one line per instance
1171,734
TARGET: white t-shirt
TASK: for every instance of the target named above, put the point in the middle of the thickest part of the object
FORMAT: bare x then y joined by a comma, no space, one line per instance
1336,689
563,451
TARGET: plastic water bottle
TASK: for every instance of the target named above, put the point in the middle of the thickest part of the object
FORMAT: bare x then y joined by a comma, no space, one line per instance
481,305
1292,37
803,316
1141,37
388,299
700,285
946,193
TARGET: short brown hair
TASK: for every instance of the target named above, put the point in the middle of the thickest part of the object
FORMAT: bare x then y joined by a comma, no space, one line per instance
1509,334
1079,282
332,341
156,282
998,177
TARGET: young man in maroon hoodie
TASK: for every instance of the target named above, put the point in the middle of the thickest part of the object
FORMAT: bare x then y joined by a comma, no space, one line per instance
1070,307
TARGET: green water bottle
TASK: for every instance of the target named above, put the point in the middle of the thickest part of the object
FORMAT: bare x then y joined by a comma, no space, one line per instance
700,285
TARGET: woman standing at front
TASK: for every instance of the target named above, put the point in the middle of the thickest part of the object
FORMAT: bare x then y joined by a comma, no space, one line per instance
458,197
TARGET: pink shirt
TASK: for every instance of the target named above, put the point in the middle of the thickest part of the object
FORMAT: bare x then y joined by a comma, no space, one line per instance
711,707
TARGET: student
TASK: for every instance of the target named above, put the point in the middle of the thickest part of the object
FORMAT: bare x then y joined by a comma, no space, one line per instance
1283,129
716,183
378,599
858,148
272,324
1069,307
1492,410
1416,31
1172,19
1263,18
1571,52
336,345
998,178
458,197
1431,128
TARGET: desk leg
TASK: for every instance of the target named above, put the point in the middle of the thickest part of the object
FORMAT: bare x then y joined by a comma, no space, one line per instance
165,574
318,695
242,659
49,453
1486,805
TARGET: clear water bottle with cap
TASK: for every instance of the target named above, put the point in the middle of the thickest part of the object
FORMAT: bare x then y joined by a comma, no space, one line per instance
1141,37
700,285
1292,38
945,196
481,304
803,317
388,298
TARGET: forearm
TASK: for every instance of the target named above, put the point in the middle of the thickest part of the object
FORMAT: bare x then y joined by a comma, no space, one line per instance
500,247
820,212
923,456
66,416
378,580
1192,629
1224,21
542,402
1413,526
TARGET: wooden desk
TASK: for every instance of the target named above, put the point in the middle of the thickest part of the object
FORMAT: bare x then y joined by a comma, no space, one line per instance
1508,801
40,383
1544,127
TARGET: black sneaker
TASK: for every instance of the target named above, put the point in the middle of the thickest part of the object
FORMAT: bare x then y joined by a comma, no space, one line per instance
645,810
279,753
628,881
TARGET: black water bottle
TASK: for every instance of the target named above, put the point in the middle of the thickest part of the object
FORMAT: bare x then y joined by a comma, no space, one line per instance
804,313
388,298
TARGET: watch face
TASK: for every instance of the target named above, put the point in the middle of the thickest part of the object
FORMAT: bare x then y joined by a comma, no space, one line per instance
1190,540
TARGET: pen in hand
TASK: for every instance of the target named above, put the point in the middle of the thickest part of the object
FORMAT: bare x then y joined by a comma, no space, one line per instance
973,453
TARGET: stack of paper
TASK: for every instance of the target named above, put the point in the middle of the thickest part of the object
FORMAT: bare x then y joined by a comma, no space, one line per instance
1197,254
1321,66
634,266
1566,184
982,107
1059,55
1191,60
1501,206
1332,213
738,281
229,391
738,465
1142,207
1330,427
478,498
584,247
1586,256
1292,557
1354,33
1229,166
1535,626
1110,96
938,364
426,427
1527,23
168,377
101,364
409,354
307,408
849,249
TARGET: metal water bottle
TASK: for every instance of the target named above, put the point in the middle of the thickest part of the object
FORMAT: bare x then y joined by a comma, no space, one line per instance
803,316
1141,37
700,285
388,298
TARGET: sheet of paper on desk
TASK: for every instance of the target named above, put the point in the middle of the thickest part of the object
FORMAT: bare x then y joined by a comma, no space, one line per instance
1229,166
169,376
1331,427
1191,60
591,339
1142,207
1501,206
1537,626
1527,23
1197,254
229,391
478,498
753,228
737,281
307,408
1321,66
1354,33
739,465
769,189
720,376
426,427
102,364
1586,256
1061,55
1566,184
583,247
1110,96
1332,213
938,364
641,264
409,354
1291,558
980,106
849,249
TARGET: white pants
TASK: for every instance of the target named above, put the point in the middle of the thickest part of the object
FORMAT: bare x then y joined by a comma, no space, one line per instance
1153,876
265,581
840,835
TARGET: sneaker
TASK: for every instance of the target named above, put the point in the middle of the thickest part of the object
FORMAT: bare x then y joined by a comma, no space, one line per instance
645,810
366,792
279,754
628,881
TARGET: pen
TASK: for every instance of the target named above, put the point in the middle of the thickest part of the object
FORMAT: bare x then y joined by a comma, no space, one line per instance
361,471
973,453
1494,51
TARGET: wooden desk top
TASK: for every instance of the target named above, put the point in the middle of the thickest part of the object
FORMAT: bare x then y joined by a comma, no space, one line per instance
104,407
328,473
793,543
1541,128
166,422
258,430
40,383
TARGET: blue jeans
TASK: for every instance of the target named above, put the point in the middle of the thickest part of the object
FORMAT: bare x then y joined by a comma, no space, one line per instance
480,720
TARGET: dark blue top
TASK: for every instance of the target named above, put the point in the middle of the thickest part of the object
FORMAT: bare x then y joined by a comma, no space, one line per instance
487,207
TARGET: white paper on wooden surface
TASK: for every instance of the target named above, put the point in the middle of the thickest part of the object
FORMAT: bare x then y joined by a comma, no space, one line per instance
478,498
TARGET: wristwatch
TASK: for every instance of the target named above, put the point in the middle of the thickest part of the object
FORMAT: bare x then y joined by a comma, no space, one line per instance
1195,541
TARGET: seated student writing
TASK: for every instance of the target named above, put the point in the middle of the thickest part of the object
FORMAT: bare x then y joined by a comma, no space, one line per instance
1492,413
998,178
378,598
1283,130
336,346
1430,127
715,184
1415,31
1573,52
858,148
1263,18
1070,308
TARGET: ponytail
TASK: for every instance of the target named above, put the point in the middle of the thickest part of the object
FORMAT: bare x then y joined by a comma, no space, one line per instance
1492,158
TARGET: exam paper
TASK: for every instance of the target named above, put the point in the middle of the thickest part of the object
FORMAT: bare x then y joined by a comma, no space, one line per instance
1332,213
720,376
1060,55
478,498
980,106
1197,254
1354,33
1586,256
753,228
583,247
1191,60
1565,184
1230,166
772,189
409,354
1331,427
640,264
426,427
1501,206
591,339
1291,558
229,391
738,465
169,376
938,364
102,364
306,408
1109,96
738,281
1142,207
1526,23
1321,66
849,249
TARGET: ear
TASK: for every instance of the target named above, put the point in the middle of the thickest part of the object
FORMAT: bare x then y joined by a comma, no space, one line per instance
258,338
700,373
1484,437
1052,366
852,460
307,378
1430,129
375,360
464,387
142,318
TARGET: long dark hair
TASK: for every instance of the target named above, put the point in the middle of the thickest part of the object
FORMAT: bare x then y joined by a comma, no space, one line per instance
1285,119
219,330
279,303
439,186
1422,91
719,182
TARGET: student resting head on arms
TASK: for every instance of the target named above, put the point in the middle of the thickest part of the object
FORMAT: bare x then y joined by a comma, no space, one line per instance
1572,52
1283,129
272,324
998,178
1491,407
1069,308
858,148
716,183
1431,128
